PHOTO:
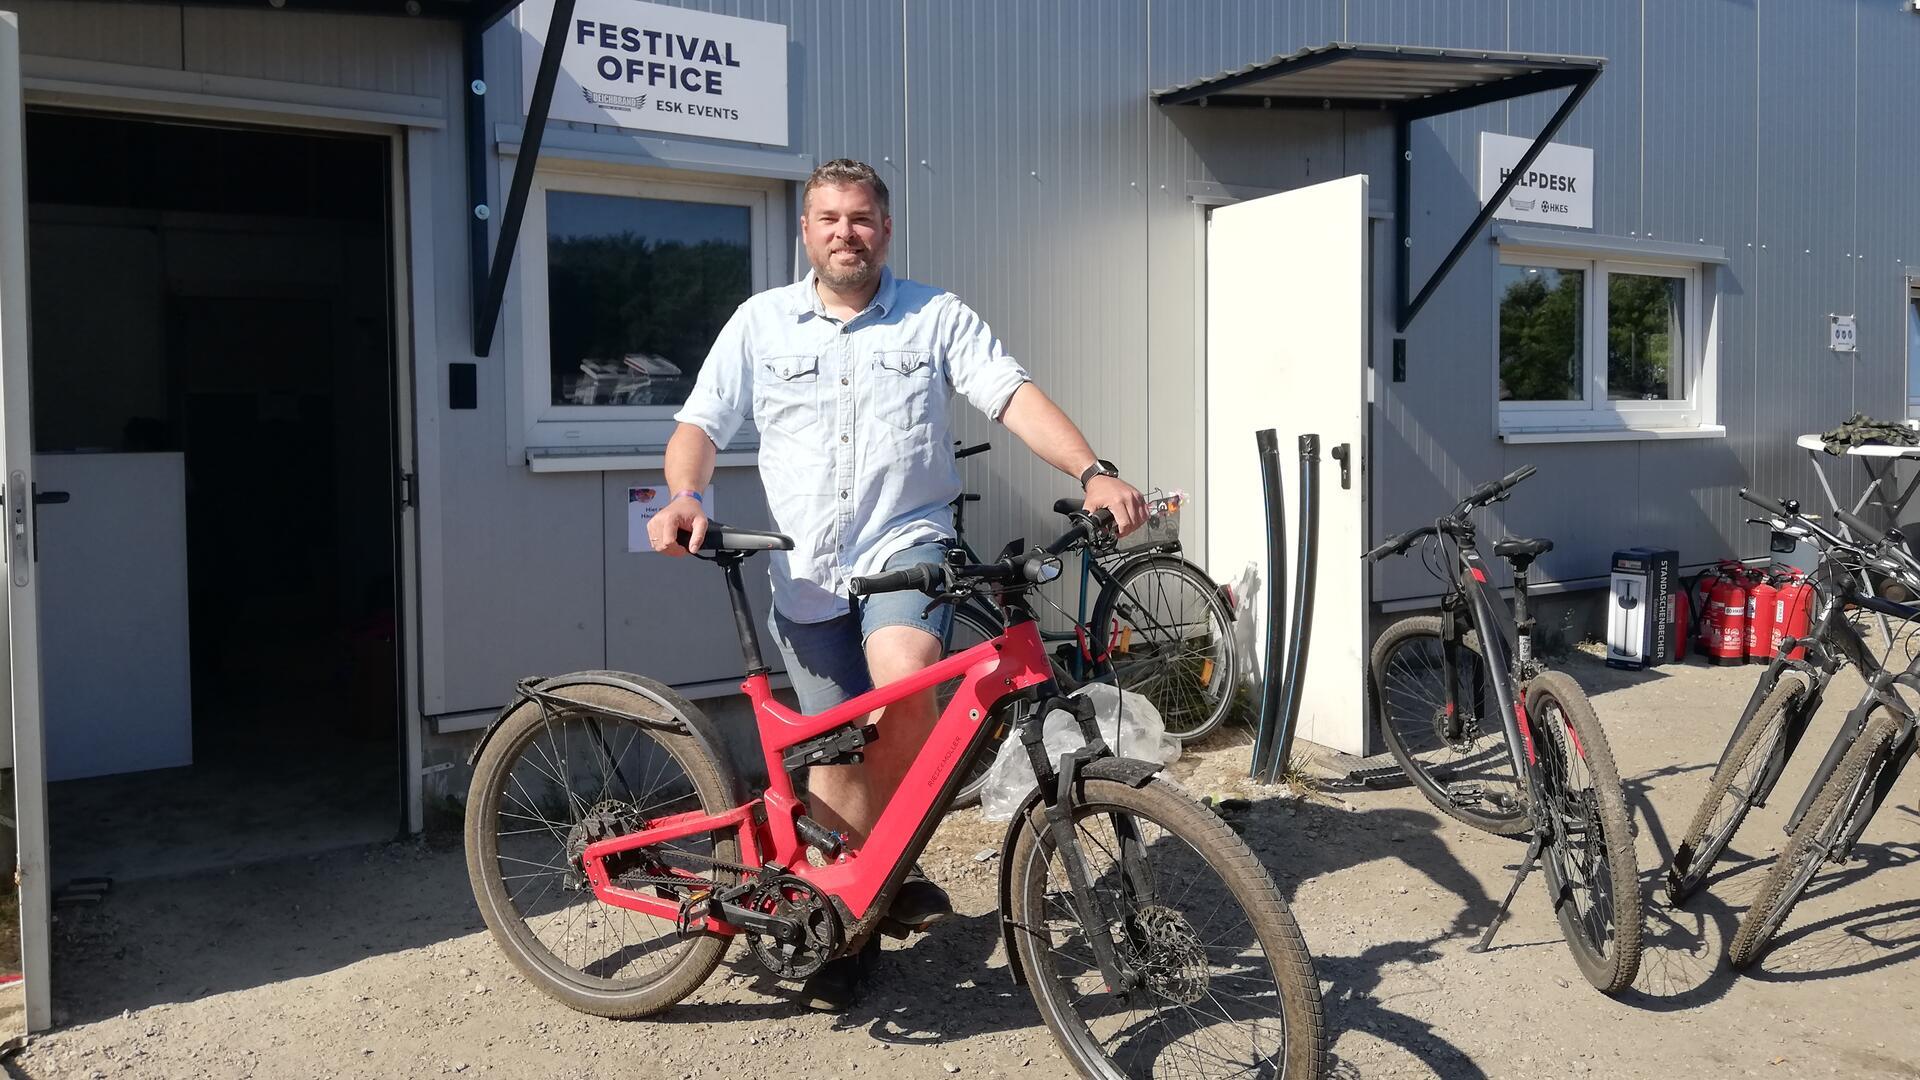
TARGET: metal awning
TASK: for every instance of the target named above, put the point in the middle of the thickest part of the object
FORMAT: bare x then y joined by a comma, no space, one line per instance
1389,77
1410,83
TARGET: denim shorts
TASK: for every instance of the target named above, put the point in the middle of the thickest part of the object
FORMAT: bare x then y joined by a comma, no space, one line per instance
827,661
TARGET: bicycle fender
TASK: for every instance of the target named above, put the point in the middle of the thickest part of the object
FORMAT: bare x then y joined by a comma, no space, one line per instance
1129,771
682,716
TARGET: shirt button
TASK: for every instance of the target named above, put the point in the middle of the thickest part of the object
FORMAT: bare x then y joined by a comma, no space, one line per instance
843,438
843,380
843,494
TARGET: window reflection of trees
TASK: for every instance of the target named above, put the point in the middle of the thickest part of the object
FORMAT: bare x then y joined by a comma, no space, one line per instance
623,295
1541,315
1644,337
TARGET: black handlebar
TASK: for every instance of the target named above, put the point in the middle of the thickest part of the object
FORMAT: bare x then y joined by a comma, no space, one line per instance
1865,531
967,452
1494,489
1028,568
1776,507
920,578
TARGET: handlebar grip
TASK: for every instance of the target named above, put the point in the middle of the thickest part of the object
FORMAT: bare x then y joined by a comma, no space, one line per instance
967,452
1518,475
917,578
1770,505
1381,550
1863,529
1068,506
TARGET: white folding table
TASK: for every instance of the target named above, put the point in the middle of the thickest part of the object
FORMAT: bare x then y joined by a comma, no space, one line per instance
1879,461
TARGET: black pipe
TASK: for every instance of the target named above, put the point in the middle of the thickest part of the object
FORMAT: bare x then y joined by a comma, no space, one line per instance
1268,444
1281,753
742,615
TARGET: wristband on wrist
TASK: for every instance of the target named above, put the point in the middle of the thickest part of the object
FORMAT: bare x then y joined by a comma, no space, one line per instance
691,494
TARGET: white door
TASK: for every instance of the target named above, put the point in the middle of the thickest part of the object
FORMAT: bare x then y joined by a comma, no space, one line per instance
22,622
1287,314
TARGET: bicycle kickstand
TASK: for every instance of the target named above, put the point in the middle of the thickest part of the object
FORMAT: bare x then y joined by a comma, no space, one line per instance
1526,867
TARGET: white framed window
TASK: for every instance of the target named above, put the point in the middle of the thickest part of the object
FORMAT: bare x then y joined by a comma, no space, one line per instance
1913,351
1607,346
625,279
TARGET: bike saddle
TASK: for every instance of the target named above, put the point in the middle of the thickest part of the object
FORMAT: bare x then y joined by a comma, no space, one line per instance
728,538
1522,549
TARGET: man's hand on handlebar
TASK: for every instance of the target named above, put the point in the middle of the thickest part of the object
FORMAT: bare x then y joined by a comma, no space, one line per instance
1121,499
682,515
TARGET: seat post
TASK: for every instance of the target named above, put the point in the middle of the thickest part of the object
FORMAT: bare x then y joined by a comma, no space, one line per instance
742,612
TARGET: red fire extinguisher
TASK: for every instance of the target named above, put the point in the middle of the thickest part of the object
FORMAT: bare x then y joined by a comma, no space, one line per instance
1727,615
1700,599
1793,612
1761,617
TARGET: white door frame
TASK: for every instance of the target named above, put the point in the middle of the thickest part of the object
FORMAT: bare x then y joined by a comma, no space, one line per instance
22,600
406,130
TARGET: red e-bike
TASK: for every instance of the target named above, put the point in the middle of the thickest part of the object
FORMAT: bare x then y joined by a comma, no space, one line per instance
615,853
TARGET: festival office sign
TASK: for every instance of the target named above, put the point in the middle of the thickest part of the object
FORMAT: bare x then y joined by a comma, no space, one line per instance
656,68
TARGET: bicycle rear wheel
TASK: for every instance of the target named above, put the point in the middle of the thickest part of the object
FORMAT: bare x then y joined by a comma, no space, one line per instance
1172,641
1228,988
553,780
1452,746
1589,866
1747,771
1826,825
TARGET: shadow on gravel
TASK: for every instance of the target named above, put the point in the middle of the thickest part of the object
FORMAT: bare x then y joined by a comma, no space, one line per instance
1302,839
174,940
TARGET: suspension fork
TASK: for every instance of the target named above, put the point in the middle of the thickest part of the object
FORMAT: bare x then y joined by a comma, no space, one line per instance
1898,756
1056,788
1842,741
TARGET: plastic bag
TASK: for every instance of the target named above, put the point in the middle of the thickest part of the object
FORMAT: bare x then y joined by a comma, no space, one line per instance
1129,723
1245,590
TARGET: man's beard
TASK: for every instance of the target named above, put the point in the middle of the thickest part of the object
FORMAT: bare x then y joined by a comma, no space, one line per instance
852,277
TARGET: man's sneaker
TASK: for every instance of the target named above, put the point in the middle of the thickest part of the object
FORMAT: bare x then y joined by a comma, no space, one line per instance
836,986
916,907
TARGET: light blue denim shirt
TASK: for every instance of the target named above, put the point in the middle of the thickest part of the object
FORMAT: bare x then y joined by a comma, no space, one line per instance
855,419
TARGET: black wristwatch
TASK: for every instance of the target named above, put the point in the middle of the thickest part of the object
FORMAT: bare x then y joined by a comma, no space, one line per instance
1100,467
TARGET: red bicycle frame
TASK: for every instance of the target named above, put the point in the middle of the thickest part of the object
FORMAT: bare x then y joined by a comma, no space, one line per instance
1011,662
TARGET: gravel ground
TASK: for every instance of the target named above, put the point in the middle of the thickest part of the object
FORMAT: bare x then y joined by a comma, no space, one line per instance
374,963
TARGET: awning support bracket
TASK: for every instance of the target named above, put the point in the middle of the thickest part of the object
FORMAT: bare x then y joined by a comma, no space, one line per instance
489,271
1404,308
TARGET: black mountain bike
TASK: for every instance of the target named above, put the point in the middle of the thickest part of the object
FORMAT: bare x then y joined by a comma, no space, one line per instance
1867,753
1791,689
1147,621
1443,686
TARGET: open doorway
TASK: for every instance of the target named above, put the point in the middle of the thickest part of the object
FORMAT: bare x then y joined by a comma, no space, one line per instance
214,396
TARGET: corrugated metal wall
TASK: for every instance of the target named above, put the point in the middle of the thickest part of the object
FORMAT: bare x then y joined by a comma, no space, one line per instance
1033,177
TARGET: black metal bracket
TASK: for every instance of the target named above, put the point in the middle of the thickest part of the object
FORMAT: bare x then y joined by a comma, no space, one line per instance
489,270
1408,303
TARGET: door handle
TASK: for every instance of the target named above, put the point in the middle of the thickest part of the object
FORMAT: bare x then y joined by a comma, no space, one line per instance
1344,455
45,498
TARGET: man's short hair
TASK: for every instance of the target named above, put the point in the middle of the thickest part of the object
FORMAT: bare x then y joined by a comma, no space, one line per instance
843,172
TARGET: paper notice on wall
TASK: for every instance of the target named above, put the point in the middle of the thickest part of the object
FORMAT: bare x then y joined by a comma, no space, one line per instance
642,504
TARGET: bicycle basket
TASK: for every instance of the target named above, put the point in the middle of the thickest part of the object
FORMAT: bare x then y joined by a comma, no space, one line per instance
1163,522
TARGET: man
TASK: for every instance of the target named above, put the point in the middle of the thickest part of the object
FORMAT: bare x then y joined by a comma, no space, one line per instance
850,375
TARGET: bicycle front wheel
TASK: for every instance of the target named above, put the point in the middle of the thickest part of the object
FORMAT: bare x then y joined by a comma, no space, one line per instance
1227,987
1171,636
554,779
1589,865
1745,774
1450,741
1829,821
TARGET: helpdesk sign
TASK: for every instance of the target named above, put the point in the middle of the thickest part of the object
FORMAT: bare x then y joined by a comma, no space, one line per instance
657,68
1557,189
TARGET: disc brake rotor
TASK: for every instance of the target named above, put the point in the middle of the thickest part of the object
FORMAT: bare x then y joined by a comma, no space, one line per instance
1168,954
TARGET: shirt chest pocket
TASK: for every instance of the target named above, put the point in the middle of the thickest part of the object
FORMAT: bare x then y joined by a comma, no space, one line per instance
786,393
903,387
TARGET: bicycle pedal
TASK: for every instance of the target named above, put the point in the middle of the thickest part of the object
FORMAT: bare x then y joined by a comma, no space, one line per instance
1466,794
